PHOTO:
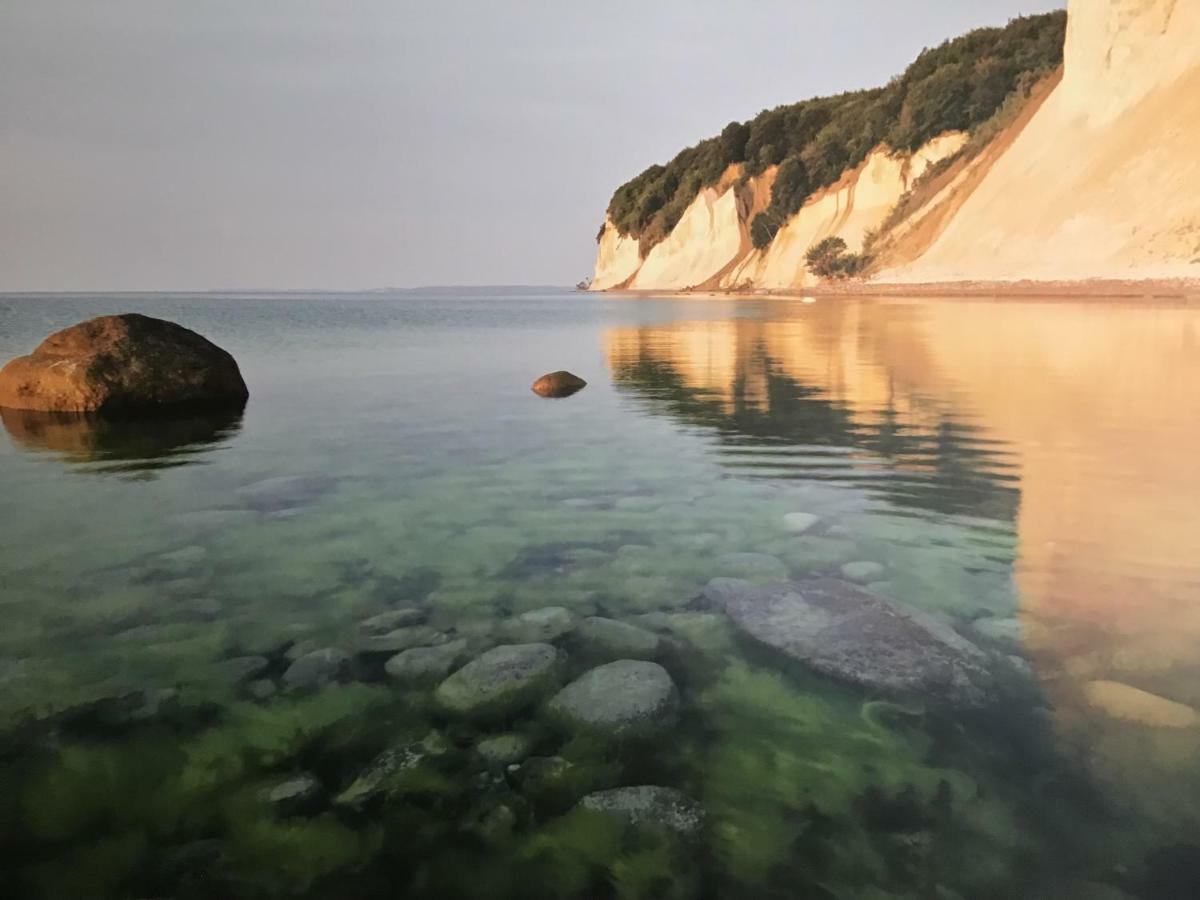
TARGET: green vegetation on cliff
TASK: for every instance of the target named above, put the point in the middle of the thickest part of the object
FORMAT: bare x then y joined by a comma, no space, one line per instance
955,87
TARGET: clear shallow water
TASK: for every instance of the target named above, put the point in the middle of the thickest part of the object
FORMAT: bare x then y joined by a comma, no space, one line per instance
1026,471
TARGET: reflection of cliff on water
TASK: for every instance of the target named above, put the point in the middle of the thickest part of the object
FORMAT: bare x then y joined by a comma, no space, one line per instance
778,415
122,445
1091,411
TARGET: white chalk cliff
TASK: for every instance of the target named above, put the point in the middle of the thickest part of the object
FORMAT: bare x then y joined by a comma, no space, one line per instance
1099,179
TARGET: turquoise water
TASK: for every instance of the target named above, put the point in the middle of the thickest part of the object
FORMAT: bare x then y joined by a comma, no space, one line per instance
1025,472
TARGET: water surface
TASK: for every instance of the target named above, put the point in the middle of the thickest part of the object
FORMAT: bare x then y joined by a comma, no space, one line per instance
1026,471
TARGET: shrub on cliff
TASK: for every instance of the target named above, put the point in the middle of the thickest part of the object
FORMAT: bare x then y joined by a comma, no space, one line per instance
830,259
955,87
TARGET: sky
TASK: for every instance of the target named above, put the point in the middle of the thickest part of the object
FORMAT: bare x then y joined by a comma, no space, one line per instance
355,144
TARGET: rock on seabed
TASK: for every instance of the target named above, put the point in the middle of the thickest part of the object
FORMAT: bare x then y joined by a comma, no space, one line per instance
847,633
126,364
649,805
624,698
502,681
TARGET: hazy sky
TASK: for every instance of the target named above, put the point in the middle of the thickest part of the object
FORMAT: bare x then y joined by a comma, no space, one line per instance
160,144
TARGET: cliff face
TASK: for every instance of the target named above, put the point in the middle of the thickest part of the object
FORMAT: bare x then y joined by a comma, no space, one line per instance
1104,182
710,247
1099,179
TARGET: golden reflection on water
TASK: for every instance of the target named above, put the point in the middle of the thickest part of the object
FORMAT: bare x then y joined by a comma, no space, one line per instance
1095,407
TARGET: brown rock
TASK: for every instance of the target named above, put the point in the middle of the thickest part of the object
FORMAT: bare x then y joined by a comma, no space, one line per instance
558,384
122,364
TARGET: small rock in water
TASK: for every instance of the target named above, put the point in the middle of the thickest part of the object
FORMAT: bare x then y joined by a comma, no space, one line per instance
285,492
844,632
540,625
627,698
317,669
400,639
558,384
391,620
863,571
649,805
504,749
262,689
720,590
294,795
425,663
618,639
753,566
1121,701
241,669
502,681
800,522
386,773
1003,631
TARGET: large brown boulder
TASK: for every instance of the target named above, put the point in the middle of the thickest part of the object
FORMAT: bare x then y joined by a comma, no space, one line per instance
127,364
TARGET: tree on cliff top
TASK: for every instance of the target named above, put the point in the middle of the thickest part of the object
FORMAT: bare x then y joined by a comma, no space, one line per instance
955,87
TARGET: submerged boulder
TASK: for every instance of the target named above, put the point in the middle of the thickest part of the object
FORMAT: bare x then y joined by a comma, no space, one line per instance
558,384
126,364
844,632
627,698
619,639
649,805
502,681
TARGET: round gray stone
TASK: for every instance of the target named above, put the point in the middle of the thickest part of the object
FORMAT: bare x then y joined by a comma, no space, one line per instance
504,749
624,698
317,668
618,639
425,663
400,639
800,522
391,620
540,625
863,571
845,632
502,681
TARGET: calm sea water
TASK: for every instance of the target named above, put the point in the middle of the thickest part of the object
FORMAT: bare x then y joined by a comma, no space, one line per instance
1028,472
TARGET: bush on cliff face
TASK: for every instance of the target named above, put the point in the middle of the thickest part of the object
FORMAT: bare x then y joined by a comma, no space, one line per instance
955,87
829,259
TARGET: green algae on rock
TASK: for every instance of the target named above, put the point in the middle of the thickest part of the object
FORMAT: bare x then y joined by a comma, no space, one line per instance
502,681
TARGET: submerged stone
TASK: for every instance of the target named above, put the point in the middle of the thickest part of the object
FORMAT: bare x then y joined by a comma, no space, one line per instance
387,772
294,795
649,805
618,639
502,681
1121,701
504,749
622,699
863,571
241,669
318,668
285,492
540,625
425,663
844,632
800,522
400,639
391,620
558,384
752,566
